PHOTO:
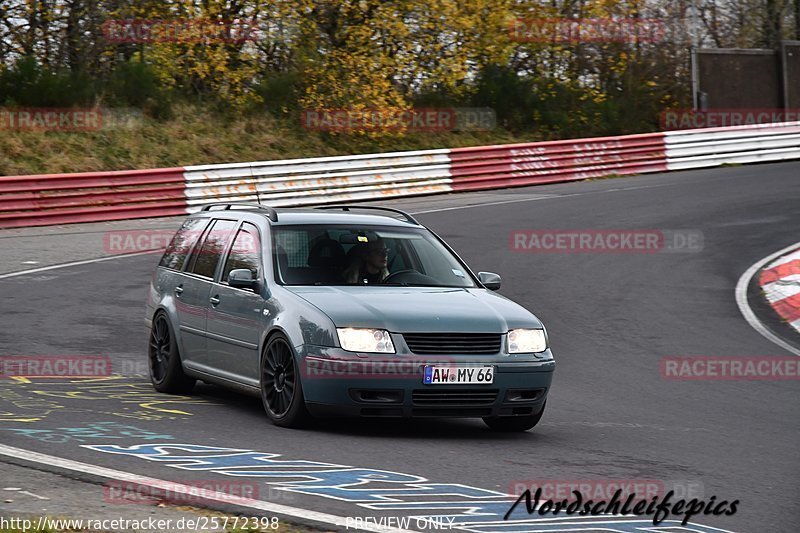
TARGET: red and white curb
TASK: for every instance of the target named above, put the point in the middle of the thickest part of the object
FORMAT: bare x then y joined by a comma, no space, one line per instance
770,263
780,281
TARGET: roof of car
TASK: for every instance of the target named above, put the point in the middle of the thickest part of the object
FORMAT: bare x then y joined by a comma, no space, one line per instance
295,216
318,216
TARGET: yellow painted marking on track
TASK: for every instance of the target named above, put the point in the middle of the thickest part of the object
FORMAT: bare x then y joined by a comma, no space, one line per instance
34,401
151,405
3,419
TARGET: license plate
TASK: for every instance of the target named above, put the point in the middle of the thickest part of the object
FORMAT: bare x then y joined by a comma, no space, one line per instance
458,375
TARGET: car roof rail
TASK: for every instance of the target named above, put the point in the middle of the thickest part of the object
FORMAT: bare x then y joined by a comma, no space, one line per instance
226,206
408,217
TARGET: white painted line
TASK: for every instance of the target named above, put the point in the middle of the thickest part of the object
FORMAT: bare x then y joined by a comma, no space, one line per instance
180,488
488,204
744,306
786,259
539,197
75,263
34,495
573,525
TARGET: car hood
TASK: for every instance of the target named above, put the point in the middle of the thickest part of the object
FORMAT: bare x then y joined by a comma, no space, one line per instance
419,309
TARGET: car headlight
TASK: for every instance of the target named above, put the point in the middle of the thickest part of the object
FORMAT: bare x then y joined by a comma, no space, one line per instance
365,340
526,341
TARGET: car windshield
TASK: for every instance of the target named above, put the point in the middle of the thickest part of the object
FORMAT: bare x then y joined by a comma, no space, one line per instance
336,255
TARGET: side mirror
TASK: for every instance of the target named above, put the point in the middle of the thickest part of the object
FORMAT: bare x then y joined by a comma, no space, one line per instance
242,278
490,280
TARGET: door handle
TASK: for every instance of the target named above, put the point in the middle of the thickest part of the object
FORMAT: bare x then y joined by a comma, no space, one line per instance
214,300
178,290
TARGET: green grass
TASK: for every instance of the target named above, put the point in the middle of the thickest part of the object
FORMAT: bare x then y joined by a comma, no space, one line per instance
196,136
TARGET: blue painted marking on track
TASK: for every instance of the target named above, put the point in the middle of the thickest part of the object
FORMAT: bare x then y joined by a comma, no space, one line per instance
586,524
95,430
477,510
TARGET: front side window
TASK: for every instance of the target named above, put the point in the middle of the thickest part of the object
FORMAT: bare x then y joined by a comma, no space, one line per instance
245,252
204,261
335,255
182,242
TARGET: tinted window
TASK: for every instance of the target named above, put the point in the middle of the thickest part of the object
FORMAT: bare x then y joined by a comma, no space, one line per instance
336,255
398,255
245,252
182,242
295,243
216,239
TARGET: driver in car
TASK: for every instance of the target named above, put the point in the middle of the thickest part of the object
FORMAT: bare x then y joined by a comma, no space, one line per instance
368,263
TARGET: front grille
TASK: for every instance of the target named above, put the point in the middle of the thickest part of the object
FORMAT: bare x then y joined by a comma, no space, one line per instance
451,412
447,398
453,343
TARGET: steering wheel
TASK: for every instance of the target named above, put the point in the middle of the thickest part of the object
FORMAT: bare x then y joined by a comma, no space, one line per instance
409,276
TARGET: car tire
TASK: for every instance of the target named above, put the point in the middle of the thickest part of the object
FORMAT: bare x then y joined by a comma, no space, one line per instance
281,386
513,423
164,359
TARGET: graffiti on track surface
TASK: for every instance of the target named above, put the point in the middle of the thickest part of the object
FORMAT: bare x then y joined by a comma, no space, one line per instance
96,430
24,400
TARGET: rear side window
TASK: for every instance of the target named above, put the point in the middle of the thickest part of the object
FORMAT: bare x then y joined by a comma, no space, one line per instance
182,242
206,258
245,252
296,245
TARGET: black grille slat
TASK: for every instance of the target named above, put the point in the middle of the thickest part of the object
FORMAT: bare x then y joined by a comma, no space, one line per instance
457,399
450,412
441,398
450,343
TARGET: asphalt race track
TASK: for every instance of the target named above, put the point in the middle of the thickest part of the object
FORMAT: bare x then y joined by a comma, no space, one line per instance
611,317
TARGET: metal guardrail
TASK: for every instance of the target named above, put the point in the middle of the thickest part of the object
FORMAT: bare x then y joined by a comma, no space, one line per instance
320,180
741,144
88,197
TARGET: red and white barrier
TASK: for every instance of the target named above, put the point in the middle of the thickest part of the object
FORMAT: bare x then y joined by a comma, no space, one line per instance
780,281
490,167
47,199
89,197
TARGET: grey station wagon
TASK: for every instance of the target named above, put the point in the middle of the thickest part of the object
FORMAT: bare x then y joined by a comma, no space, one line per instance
341,310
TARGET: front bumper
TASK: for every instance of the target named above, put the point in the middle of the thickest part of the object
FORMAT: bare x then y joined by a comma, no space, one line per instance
339,383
